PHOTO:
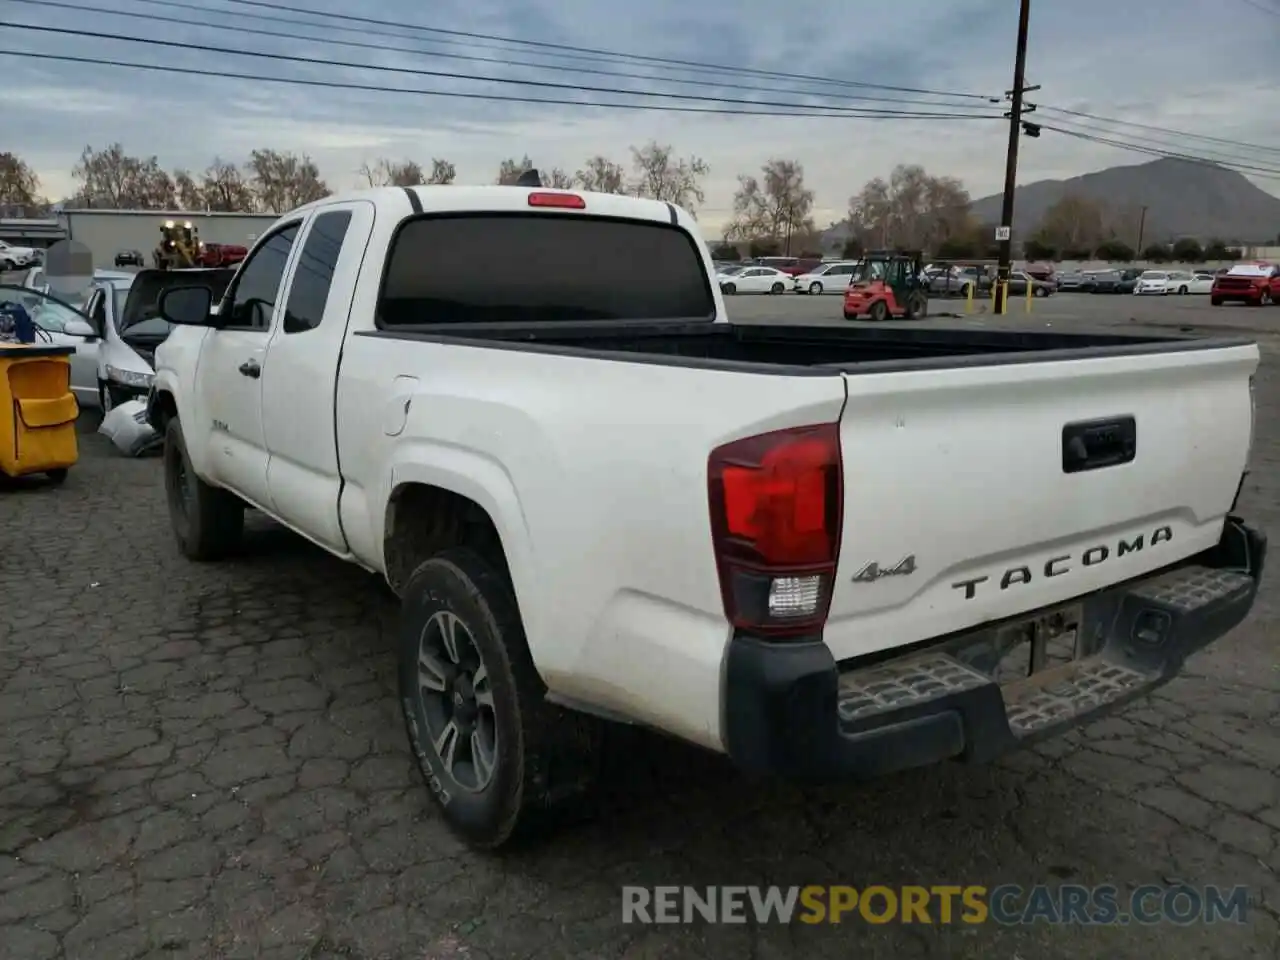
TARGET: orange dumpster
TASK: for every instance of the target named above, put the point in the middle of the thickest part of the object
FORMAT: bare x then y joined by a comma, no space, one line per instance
38,425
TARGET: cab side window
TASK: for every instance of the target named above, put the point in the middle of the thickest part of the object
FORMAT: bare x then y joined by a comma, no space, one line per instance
252,302
313,277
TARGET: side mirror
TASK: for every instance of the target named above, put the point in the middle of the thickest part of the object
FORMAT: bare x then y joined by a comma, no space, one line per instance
80,328
187,306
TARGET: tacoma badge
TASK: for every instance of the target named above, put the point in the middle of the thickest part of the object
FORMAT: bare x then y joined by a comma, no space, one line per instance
873,571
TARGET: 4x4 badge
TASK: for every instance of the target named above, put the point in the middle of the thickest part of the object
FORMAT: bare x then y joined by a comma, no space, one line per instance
873,571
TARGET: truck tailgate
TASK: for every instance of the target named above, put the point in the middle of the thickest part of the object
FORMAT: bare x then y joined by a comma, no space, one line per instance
959,506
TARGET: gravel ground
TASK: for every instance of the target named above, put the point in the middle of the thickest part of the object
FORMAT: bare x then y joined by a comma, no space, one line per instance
208,762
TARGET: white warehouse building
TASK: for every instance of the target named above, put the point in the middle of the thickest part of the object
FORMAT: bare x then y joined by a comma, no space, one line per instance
106,232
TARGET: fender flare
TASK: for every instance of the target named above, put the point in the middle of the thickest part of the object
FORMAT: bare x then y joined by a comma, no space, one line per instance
481,480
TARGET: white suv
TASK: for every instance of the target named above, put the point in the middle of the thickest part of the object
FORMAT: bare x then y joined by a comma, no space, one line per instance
17,258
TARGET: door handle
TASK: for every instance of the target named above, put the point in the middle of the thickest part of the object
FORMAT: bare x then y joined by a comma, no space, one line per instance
250,368
1096,444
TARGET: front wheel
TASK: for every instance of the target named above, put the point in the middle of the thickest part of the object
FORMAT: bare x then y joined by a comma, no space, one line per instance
917,306
879,311
729,288
777,288
815,288
1040,292
1215,302
1264,298
207,521
498,759
1182,291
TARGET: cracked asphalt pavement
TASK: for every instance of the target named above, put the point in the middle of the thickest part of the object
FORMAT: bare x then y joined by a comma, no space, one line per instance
209,762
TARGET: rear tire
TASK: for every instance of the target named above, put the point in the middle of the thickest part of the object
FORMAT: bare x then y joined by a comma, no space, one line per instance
729,288
207,522
57,476
777,288
850,316
917,306
1215,302
1182,291
517,764
879,312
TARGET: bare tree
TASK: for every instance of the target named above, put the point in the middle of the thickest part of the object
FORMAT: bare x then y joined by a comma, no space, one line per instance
187,191
442,172
661,175
510,169
775,206
223,188
111,178
1073,223
393,173
601,175
19,184
282,180
911,209
560,179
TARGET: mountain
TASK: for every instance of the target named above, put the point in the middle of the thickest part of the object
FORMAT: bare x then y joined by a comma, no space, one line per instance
1183,199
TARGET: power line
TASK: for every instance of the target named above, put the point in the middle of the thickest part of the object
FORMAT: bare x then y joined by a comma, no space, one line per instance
492,97
1206,155
446,75
1239,144
1259,6
385,48
545,45
1266,173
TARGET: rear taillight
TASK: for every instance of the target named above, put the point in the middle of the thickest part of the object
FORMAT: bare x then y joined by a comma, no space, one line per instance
776,503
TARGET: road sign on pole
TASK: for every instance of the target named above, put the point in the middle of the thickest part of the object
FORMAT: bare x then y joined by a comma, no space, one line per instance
1003,233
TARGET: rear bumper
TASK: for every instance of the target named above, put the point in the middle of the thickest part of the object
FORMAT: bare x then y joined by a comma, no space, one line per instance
789,709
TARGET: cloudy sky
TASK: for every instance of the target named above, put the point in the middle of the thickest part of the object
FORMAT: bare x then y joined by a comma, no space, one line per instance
1207,67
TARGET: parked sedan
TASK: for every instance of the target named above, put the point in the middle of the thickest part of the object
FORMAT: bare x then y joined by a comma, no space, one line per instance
1201,282
825,278
1153,282
61,324
129,258
1018,280
755,280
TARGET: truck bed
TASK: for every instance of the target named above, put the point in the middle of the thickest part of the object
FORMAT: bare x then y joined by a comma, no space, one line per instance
793,349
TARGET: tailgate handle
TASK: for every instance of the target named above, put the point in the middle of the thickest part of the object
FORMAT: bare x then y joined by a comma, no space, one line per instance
1095,444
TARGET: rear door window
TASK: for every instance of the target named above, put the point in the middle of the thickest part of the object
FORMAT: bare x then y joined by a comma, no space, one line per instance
552,267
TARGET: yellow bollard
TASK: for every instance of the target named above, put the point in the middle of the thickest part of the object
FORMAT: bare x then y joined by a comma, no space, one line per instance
968,298
1030,289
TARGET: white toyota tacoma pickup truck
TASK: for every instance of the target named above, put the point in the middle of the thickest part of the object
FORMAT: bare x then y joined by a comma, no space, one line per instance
825,551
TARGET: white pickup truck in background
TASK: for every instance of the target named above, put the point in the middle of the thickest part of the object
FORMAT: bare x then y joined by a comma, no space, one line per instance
832,551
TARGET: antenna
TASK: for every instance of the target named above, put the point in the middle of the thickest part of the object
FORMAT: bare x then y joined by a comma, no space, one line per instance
529,178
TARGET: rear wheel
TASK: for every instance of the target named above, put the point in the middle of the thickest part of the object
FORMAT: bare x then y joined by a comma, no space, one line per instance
57,476
207,521
777,288
917,305
1182,291
879,311
1264,297
729,288
499,760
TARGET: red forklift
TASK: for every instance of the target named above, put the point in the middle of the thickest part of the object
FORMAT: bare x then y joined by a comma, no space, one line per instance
888,284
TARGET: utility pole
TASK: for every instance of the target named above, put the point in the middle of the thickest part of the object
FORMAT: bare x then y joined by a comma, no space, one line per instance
1142,226
1004,232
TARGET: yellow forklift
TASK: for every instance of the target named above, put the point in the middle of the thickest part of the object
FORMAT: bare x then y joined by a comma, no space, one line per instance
179,247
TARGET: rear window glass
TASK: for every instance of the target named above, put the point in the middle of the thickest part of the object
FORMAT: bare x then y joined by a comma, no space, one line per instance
532,268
